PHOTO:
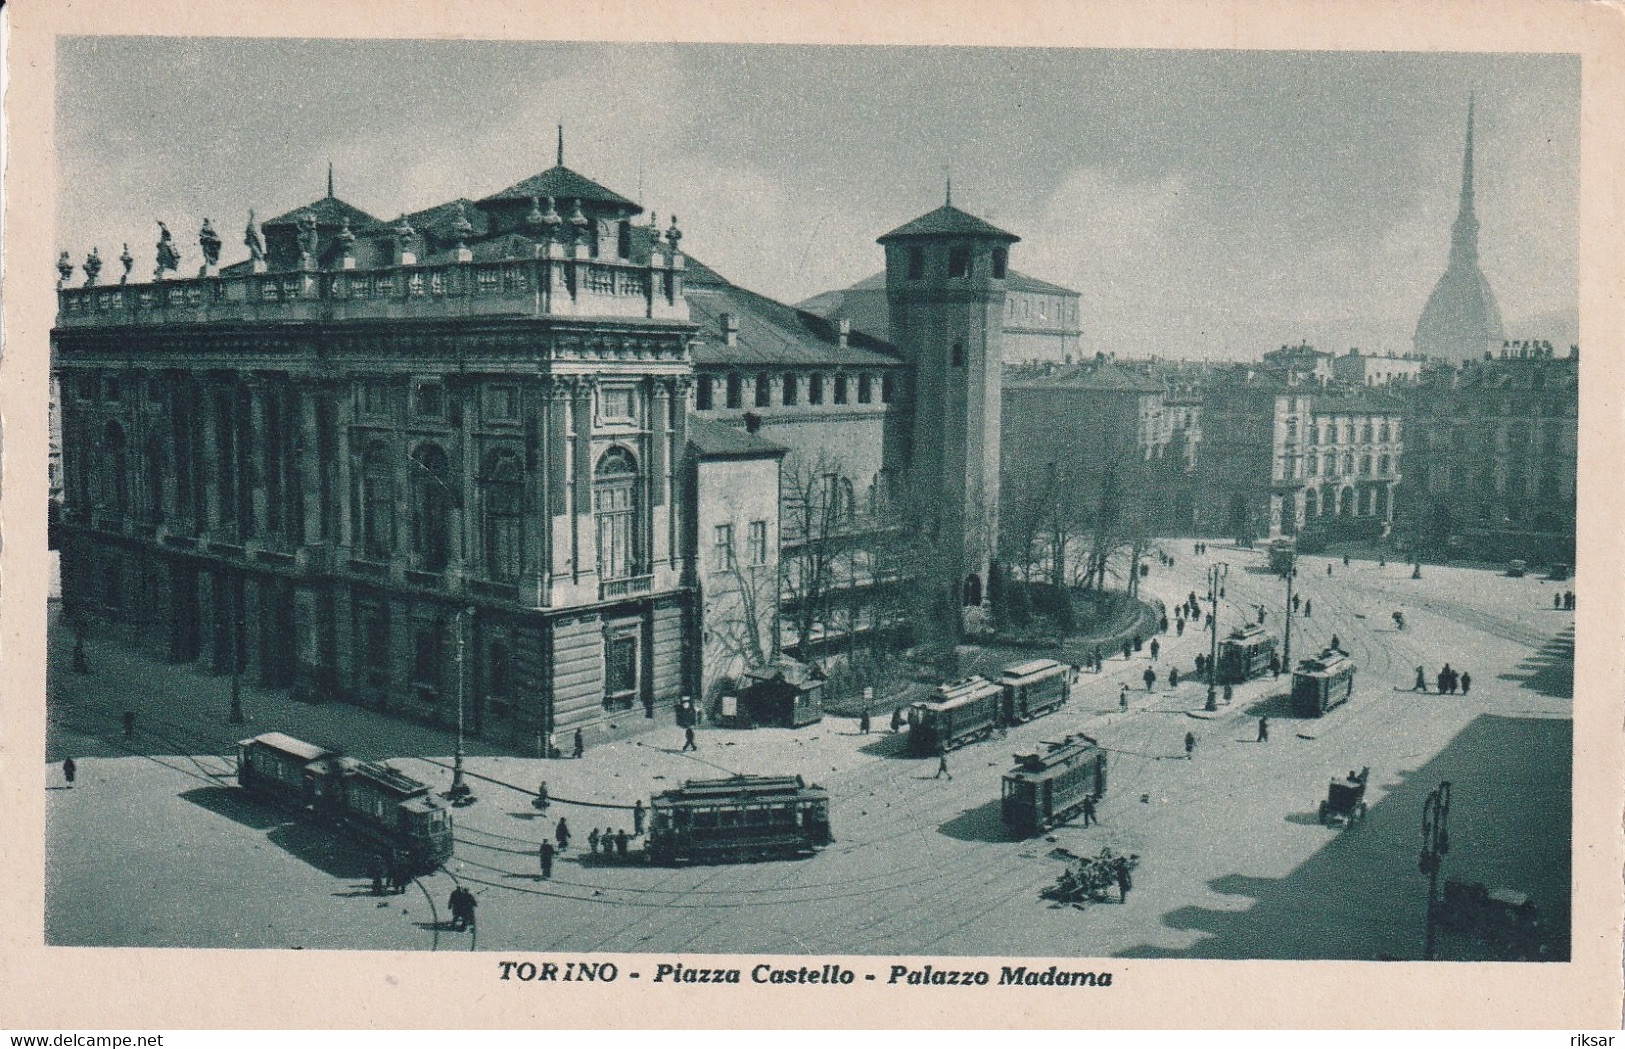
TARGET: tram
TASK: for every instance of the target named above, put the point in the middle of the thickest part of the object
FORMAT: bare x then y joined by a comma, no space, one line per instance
738,819
1045,789
1034,688
961,713
1323,682
370,801
1245,654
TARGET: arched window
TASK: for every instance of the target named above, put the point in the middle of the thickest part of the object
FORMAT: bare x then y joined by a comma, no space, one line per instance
117,490
377,503
502,484
1348,462
614,504
431,507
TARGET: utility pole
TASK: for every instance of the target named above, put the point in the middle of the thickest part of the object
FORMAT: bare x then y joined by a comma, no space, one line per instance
460,791
1435,844
1216,574
1286,646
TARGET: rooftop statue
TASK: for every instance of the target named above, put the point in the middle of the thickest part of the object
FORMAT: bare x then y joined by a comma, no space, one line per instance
126,260
168,258
251,239
64,268
309,239
209,241
93,267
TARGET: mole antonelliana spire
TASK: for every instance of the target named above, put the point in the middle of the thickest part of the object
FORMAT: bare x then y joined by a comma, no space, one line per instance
1461,320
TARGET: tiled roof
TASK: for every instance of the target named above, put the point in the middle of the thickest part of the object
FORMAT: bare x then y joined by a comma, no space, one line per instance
329,211
1013,281
770,332
714,440
948,221
1091,376
563,185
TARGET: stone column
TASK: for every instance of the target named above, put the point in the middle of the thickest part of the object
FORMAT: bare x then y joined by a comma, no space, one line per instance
584,539
255,461
208,478
344,417
311,465
556,451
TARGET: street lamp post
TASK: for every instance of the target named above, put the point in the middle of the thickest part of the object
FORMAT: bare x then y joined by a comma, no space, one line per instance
1286,645
1435,844
1215,575
237,651
460,791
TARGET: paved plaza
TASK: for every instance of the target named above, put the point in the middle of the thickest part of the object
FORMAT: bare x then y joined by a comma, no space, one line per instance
155,846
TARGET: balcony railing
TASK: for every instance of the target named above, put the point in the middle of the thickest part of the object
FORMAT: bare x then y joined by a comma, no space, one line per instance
525,287
609,589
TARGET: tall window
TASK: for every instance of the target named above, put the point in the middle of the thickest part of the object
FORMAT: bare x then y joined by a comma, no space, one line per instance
702,393
791,388
614,503
377,503
621,667
503,488
154,462
840,389
815,388
758,542
764,390
735,391
957,356
117,487
1000,260
864,393
722,547
498,680
431,507
426,663
916,263
959,262
888,387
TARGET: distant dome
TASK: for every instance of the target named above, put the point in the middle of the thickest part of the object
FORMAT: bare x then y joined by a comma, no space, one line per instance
1461,319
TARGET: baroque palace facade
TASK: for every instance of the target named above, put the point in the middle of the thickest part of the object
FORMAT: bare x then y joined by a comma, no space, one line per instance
459,461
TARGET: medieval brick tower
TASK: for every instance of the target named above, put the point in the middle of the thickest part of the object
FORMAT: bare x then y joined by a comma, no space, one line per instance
945,287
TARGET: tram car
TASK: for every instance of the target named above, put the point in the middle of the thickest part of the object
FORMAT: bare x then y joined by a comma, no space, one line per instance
1034,688
1283,552
1245,654
1045,789
1321,683
372,802
960,713
736,820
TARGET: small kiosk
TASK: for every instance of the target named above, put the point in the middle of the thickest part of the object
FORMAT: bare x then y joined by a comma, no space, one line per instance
785,693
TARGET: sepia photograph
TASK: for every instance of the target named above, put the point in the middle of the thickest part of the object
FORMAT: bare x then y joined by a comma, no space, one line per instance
813,513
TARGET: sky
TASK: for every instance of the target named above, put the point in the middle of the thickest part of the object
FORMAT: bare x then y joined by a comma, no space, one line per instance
1205,204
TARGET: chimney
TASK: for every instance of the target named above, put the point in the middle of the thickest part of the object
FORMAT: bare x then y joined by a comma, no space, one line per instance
845,329
730,329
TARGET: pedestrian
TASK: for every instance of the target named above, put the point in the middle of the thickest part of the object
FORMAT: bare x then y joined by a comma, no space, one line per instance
1150,679
129,724
1228,691
1201,664
1139,642
1179,627
1345,560
542,800
1275,665
1328,570
375,870
1100,661
1162,624
1382,561
1122,697
863,723
1128,648
1297,601
1155,648
1466,682
1557,602
459,915
1421,681
1260,615
1088,809
1336,644
69,770
620,843
637,816
942,765
562,833
1446,685
581,744
592,842
399,874
1124,882
1190,745
545,854
1308,608
688,739
1263,730
552,744
897,720
1173,677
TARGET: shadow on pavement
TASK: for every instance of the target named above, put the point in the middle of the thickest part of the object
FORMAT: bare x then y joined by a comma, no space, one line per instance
321,847
1550,671
983,823
1278,705
235,805
891,745
1360,897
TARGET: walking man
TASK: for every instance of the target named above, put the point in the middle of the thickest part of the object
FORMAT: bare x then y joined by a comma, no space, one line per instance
562,833
637,818
1190,745
581,744
1421,681
863,723
398,874
1308,608
1124,882
1297,601
1088,809
897,720
1466,682
1275,665
545,855
620,843
1150,679
542,800
69,770
1155,648
942,765
375,868
1122,698
1263,730
1173,677
1128,648
1328,570
688,739
592,842
1179,625
1557,602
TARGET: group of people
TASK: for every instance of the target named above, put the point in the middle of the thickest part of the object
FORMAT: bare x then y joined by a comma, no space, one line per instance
390,866
462,904
1564,601
607,843
1201,548
1449,681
